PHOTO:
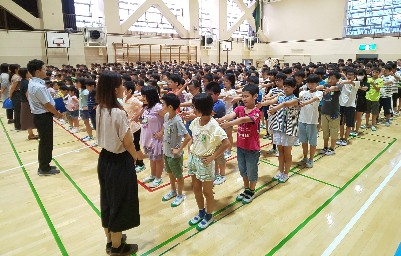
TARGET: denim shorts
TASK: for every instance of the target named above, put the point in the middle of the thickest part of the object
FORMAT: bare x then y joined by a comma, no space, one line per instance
74,114
307,133
248,163
84,114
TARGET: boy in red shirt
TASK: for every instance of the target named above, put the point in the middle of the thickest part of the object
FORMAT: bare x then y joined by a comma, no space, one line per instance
248,144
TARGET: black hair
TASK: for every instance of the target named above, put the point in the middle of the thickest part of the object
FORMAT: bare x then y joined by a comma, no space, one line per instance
63,88
126,77
253,79
251,88
4,68
313,79
22,72
287,71
230,77
300,74
351,70
376,69
213,86
13,70
320,71
334,73
203,103
34,65
290,82
170,99
209,77
152,97
90,82
387,66
129,85
280,75
175,78
74,89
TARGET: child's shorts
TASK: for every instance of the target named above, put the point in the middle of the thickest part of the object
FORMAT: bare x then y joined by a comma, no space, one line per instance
282,139
84,114
174,165
372,107
248,163
347,116
330,127
307,133
201,171
386,104
74,114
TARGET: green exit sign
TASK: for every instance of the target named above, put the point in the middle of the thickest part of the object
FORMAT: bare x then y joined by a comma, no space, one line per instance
367,47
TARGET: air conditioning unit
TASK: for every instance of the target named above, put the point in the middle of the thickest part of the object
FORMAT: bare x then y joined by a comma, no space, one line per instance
207,41
95,36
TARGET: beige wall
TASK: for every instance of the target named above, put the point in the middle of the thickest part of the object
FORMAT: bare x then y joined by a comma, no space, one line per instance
303,19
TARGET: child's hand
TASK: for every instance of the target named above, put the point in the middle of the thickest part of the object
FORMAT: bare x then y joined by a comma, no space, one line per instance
272,110
302,104
84,108
259,105
207,160
158,135
224,124
176,151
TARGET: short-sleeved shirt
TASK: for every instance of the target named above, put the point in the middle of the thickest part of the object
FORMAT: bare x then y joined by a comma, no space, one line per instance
331,101
132,106
83,99
111,129
219,108
309,114
387,90
230,94
348,94
38,96
247,134
206,138
287,117
91,100
174,131
372,94
5,83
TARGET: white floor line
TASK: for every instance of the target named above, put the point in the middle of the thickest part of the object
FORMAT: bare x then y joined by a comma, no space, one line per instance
62,154
359,214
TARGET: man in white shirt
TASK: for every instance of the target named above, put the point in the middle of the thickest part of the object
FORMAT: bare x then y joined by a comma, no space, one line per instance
42,108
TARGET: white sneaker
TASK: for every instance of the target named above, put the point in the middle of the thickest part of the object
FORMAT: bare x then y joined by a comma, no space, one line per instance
272,151
87,138
277,154
278,176
178,200
373,128
61,121
344,143
227,154
148,179
169,195
155,183
74,130
219,180
330,152
139,168
323,150
339,142
283,178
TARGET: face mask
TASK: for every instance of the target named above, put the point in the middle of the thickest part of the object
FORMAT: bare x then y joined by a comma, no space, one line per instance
120,101
360,78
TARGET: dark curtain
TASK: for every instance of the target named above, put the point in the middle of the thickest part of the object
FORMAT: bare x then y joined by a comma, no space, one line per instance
70,21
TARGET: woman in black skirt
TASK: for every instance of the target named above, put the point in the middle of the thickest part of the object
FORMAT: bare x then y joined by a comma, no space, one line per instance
26,115
116,169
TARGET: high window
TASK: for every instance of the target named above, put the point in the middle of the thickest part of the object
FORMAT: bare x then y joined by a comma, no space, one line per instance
373,17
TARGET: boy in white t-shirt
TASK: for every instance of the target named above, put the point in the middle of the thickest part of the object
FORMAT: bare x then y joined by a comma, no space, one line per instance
348,105
308,119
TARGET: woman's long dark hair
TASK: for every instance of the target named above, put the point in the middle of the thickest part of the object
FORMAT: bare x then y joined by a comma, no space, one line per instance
22,72
152,97
13,70
106,90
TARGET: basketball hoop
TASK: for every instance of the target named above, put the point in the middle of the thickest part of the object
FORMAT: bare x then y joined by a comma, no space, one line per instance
58,45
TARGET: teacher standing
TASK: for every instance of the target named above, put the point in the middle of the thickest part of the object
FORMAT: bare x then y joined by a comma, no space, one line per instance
42,108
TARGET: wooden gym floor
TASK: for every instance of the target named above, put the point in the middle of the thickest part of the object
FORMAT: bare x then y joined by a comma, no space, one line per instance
347,204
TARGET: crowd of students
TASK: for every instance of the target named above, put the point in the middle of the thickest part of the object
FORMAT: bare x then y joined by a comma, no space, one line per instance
171,107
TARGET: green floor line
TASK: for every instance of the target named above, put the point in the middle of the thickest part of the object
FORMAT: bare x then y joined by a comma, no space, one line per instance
327,202
326,183
266,162
36,195
84,196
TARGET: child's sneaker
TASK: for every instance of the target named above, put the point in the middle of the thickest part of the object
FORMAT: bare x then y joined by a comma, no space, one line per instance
266,136
303,161
387,124
353,134
87,138
156,182
344,143
219,180
272,151
363,126
205,222
74,130
278,176
198,218
227,154
169,195
178,200
284,177
339,142
241,196
309,164
249,196
373,128
323,150
148,179
139,168
330,152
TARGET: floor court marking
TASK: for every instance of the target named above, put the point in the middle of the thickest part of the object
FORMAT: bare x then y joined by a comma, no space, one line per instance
327,202
36,195
360,212
35,162
258,189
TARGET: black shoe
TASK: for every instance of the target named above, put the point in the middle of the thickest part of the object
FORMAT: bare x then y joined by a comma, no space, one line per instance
52,167
108,245
124,249
48,173
10,121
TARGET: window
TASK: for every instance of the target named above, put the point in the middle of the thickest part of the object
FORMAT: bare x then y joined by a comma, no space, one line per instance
87,14
373,17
